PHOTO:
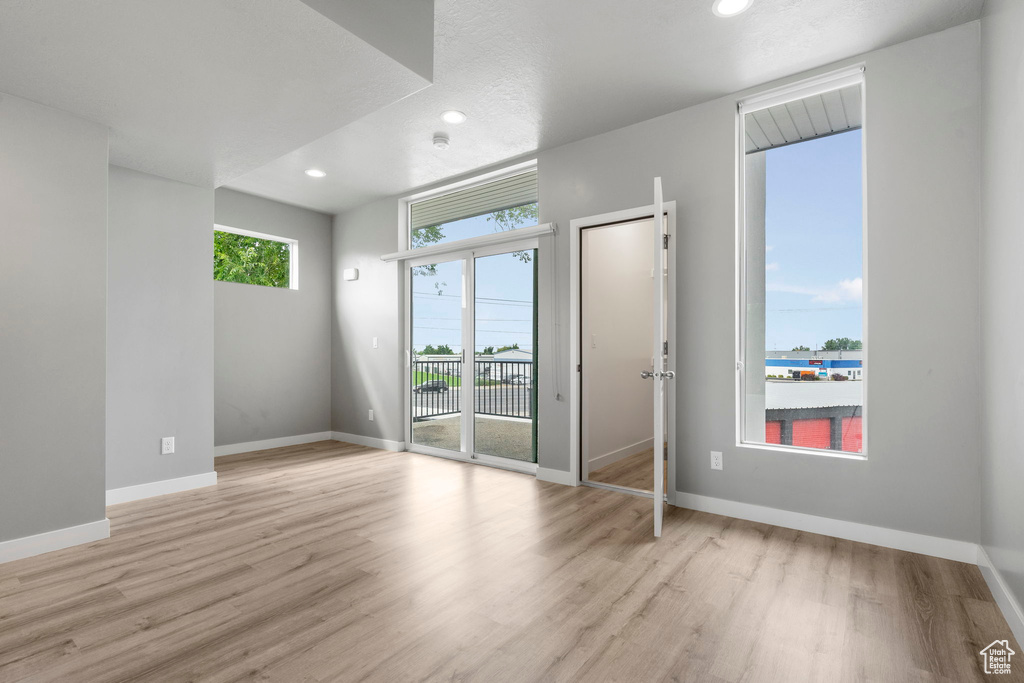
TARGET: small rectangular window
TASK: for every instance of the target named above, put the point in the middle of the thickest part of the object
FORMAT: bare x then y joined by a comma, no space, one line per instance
802,268
254,258
483,208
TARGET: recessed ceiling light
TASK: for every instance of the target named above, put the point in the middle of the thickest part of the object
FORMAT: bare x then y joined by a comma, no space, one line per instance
315,173
441,141
730,8
453,116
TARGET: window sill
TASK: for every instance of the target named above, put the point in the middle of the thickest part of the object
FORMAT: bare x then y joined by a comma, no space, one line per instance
803,451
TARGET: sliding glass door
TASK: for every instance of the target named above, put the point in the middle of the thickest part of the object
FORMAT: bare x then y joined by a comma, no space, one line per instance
472,380
505,335
437,306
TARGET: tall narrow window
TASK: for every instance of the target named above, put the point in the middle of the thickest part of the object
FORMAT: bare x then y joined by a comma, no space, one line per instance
802,346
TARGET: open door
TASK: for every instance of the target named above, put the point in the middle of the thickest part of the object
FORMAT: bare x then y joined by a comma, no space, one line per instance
661,372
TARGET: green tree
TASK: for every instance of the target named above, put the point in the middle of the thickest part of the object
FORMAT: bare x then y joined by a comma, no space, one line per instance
488,351
504,219
429,350
507,348
250,260
444,350
843,344
516,217
800,348
421,237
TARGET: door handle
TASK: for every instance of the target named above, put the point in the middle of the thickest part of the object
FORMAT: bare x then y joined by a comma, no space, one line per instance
646,374
668,374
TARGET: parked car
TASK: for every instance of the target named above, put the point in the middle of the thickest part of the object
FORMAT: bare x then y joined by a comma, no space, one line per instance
431,385
519,380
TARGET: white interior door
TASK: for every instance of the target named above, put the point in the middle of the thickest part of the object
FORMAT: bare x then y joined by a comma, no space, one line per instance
661,372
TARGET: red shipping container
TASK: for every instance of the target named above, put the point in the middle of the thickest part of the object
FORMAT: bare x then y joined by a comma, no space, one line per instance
853,437
816,433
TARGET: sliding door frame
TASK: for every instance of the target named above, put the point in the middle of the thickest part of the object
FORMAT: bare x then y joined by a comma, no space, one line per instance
467,404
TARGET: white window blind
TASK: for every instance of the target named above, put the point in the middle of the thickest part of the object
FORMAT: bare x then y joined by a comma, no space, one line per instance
814,116
506,193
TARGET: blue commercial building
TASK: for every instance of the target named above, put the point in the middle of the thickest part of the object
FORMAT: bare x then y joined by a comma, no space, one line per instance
825,367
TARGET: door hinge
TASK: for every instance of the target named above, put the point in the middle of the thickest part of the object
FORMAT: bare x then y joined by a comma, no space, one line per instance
579,367
665,238
664,348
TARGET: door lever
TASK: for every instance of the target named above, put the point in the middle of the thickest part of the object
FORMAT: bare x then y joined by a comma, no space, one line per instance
646,374
668,374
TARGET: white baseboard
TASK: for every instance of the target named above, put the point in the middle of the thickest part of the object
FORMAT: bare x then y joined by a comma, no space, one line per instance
20,548
960,551
555,476
369,441
298,440
1004,597
608,458
159,488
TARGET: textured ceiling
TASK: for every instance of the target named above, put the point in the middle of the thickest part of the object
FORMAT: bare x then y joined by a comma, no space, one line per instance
533,74
196,90
249,93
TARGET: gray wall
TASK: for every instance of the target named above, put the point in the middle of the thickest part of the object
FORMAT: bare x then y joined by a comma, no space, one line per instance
159,329
923,198
1002,294
272,346
53,223
922,141
366,378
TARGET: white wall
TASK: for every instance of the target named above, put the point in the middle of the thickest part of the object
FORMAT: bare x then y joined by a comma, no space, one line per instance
53,226
1002,293
923,209
922,196
617,297
159,329
372,306
272,346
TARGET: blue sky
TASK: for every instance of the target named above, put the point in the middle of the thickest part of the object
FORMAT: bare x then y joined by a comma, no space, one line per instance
813,236
813,261
504,291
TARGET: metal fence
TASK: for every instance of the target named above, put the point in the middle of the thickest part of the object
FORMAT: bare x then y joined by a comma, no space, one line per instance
500,388
435,388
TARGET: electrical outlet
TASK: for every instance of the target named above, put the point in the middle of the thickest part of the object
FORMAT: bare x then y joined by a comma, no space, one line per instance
167,445
716,460
371,415
374,342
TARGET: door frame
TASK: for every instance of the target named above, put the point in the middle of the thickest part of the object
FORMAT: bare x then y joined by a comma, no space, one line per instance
576,227
468,288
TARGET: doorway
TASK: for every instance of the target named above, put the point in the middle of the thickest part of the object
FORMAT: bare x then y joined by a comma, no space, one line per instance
618,282
472,380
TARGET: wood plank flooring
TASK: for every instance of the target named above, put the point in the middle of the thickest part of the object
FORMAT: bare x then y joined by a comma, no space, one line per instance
333,562
634,471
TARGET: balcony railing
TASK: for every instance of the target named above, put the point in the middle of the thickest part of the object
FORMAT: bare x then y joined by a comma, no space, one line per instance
500,388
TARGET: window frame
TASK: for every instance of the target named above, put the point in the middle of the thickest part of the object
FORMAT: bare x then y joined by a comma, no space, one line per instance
800,89
405,204
293,253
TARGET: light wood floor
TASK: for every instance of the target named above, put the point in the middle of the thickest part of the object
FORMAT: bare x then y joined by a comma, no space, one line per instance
635,471
333,562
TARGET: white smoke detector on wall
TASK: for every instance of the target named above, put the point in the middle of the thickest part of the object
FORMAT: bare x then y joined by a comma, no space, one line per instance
441,141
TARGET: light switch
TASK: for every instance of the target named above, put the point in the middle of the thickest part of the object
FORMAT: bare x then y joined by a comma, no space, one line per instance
350,274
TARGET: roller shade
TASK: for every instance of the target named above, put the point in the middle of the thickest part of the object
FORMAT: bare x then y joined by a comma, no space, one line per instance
814,116
506,193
